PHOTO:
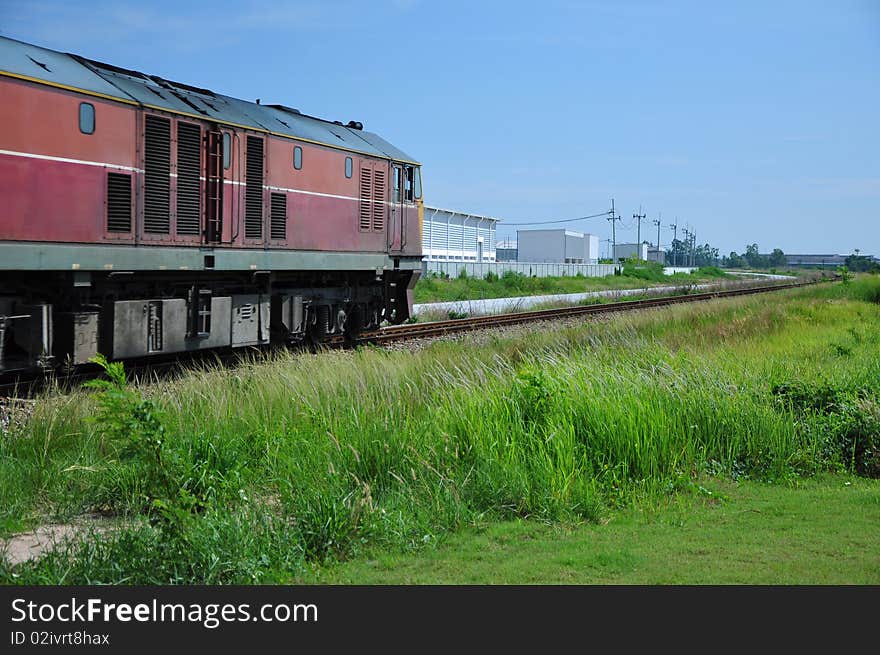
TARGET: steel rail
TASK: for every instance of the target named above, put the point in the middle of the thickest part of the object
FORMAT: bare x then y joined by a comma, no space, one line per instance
25,385
439,328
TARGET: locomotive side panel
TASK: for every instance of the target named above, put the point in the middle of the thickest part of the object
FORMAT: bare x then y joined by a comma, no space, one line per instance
171,183
322,196
54,176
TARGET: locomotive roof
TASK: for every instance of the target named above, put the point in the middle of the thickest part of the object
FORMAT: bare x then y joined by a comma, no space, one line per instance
31,62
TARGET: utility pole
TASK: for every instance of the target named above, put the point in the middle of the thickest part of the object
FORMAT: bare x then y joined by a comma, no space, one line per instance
687,252
639,217
674,227
693,248
657,223
614,217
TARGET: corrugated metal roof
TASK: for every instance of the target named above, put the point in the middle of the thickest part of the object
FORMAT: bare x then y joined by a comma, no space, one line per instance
438,210
26,60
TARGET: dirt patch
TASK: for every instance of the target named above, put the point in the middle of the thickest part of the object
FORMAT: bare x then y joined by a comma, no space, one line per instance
14,412
27,546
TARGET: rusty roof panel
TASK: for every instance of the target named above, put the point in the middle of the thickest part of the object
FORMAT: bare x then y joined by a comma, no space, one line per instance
31,61
24,59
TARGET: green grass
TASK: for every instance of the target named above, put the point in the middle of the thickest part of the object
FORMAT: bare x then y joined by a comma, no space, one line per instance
821,531
260,473
432,288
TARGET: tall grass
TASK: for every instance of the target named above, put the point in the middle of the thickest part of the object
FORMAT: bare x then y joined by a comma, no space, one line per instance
287,461
434,288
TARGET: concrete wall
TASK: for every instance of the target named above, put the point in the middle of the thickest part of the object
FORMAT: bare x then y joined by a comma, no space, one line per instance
453,269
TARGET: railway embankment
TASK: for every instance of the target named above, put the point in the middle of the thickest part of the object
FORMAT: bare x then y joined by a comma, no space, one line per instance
290,463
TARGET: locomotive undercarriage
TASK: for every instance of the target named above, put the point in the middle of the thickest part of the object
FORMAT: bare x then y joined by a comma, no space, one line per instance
65,318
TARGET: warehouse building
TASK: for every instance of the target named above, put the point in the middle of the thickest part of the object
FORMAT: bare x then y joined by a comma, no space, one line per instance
449,235
506,251
823,261
630,250
557,246
657,255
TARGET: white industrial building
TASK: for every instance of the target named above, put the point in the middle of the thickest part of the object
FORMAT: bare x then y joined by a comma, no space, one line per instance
449,235
557,246
657,255
631,250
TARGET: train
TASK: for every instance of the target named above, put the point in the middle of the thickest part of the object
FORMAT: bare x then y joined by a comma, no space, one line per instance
141,216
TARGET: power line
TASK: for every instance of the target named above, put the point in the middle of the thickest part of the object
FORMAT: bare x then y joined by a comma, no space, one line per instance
565,220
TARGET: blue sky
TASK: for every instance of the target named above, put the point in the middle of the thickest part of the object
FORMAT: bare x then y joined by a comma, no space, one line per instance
748,121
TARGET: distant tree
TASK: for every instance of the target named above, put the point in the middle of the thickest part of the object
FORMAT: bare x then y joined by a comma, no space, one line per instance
677,254
733,260
777,258
706,255
754,258
860,264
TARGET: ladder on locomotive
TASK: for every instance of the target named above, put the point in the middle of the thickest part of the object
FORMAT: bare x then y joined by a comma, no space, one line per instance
214,186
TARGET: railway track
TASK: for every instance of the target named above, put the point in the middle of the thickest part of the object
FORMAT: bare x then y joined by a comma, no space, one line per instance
439,328
29,384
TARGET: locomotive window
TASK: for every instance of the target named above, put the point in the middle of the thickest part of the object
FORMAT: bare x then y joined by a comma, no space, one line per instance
408,181
227,149
396,182
348,167
297,157
417,186
86,118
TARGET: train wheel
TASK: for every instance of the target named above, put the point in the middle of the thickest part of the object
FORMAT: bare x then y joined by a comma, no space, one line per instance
355,323
321,327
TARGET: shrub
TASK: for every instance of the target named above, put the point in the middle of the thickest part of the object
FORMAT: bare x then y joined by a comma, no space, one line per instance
710,271
170,479
651,271
846,420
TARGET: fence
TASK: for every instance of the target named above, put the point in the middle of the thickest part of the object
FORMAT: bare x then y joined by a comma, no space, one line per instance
479,269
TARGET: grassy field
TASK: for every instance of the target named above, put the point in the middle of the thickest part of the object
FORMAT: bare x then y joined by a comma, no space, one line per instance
823,530
433,288
280,469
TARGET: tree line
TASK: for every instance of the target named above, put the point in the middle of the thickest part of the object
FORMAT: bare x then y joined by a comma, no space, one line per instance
681,253
752,258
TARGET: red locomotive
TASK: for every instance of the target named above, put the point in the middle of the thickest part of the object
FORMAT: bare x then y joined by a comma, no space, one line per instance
142,216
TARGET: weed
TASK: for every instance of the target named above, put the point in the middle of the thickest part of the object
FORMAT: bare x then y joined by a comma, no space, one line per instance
132,426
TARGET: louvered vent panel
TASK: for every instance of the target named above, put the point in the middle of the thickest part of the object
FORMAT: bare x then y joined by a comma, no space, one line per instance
278,219
118,202
366,198
379,207
189,160
253,211
157,169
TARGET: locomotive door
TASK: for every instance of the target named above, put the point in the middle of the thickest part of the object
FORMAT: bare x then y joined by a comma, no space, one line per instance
214,166
395,228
